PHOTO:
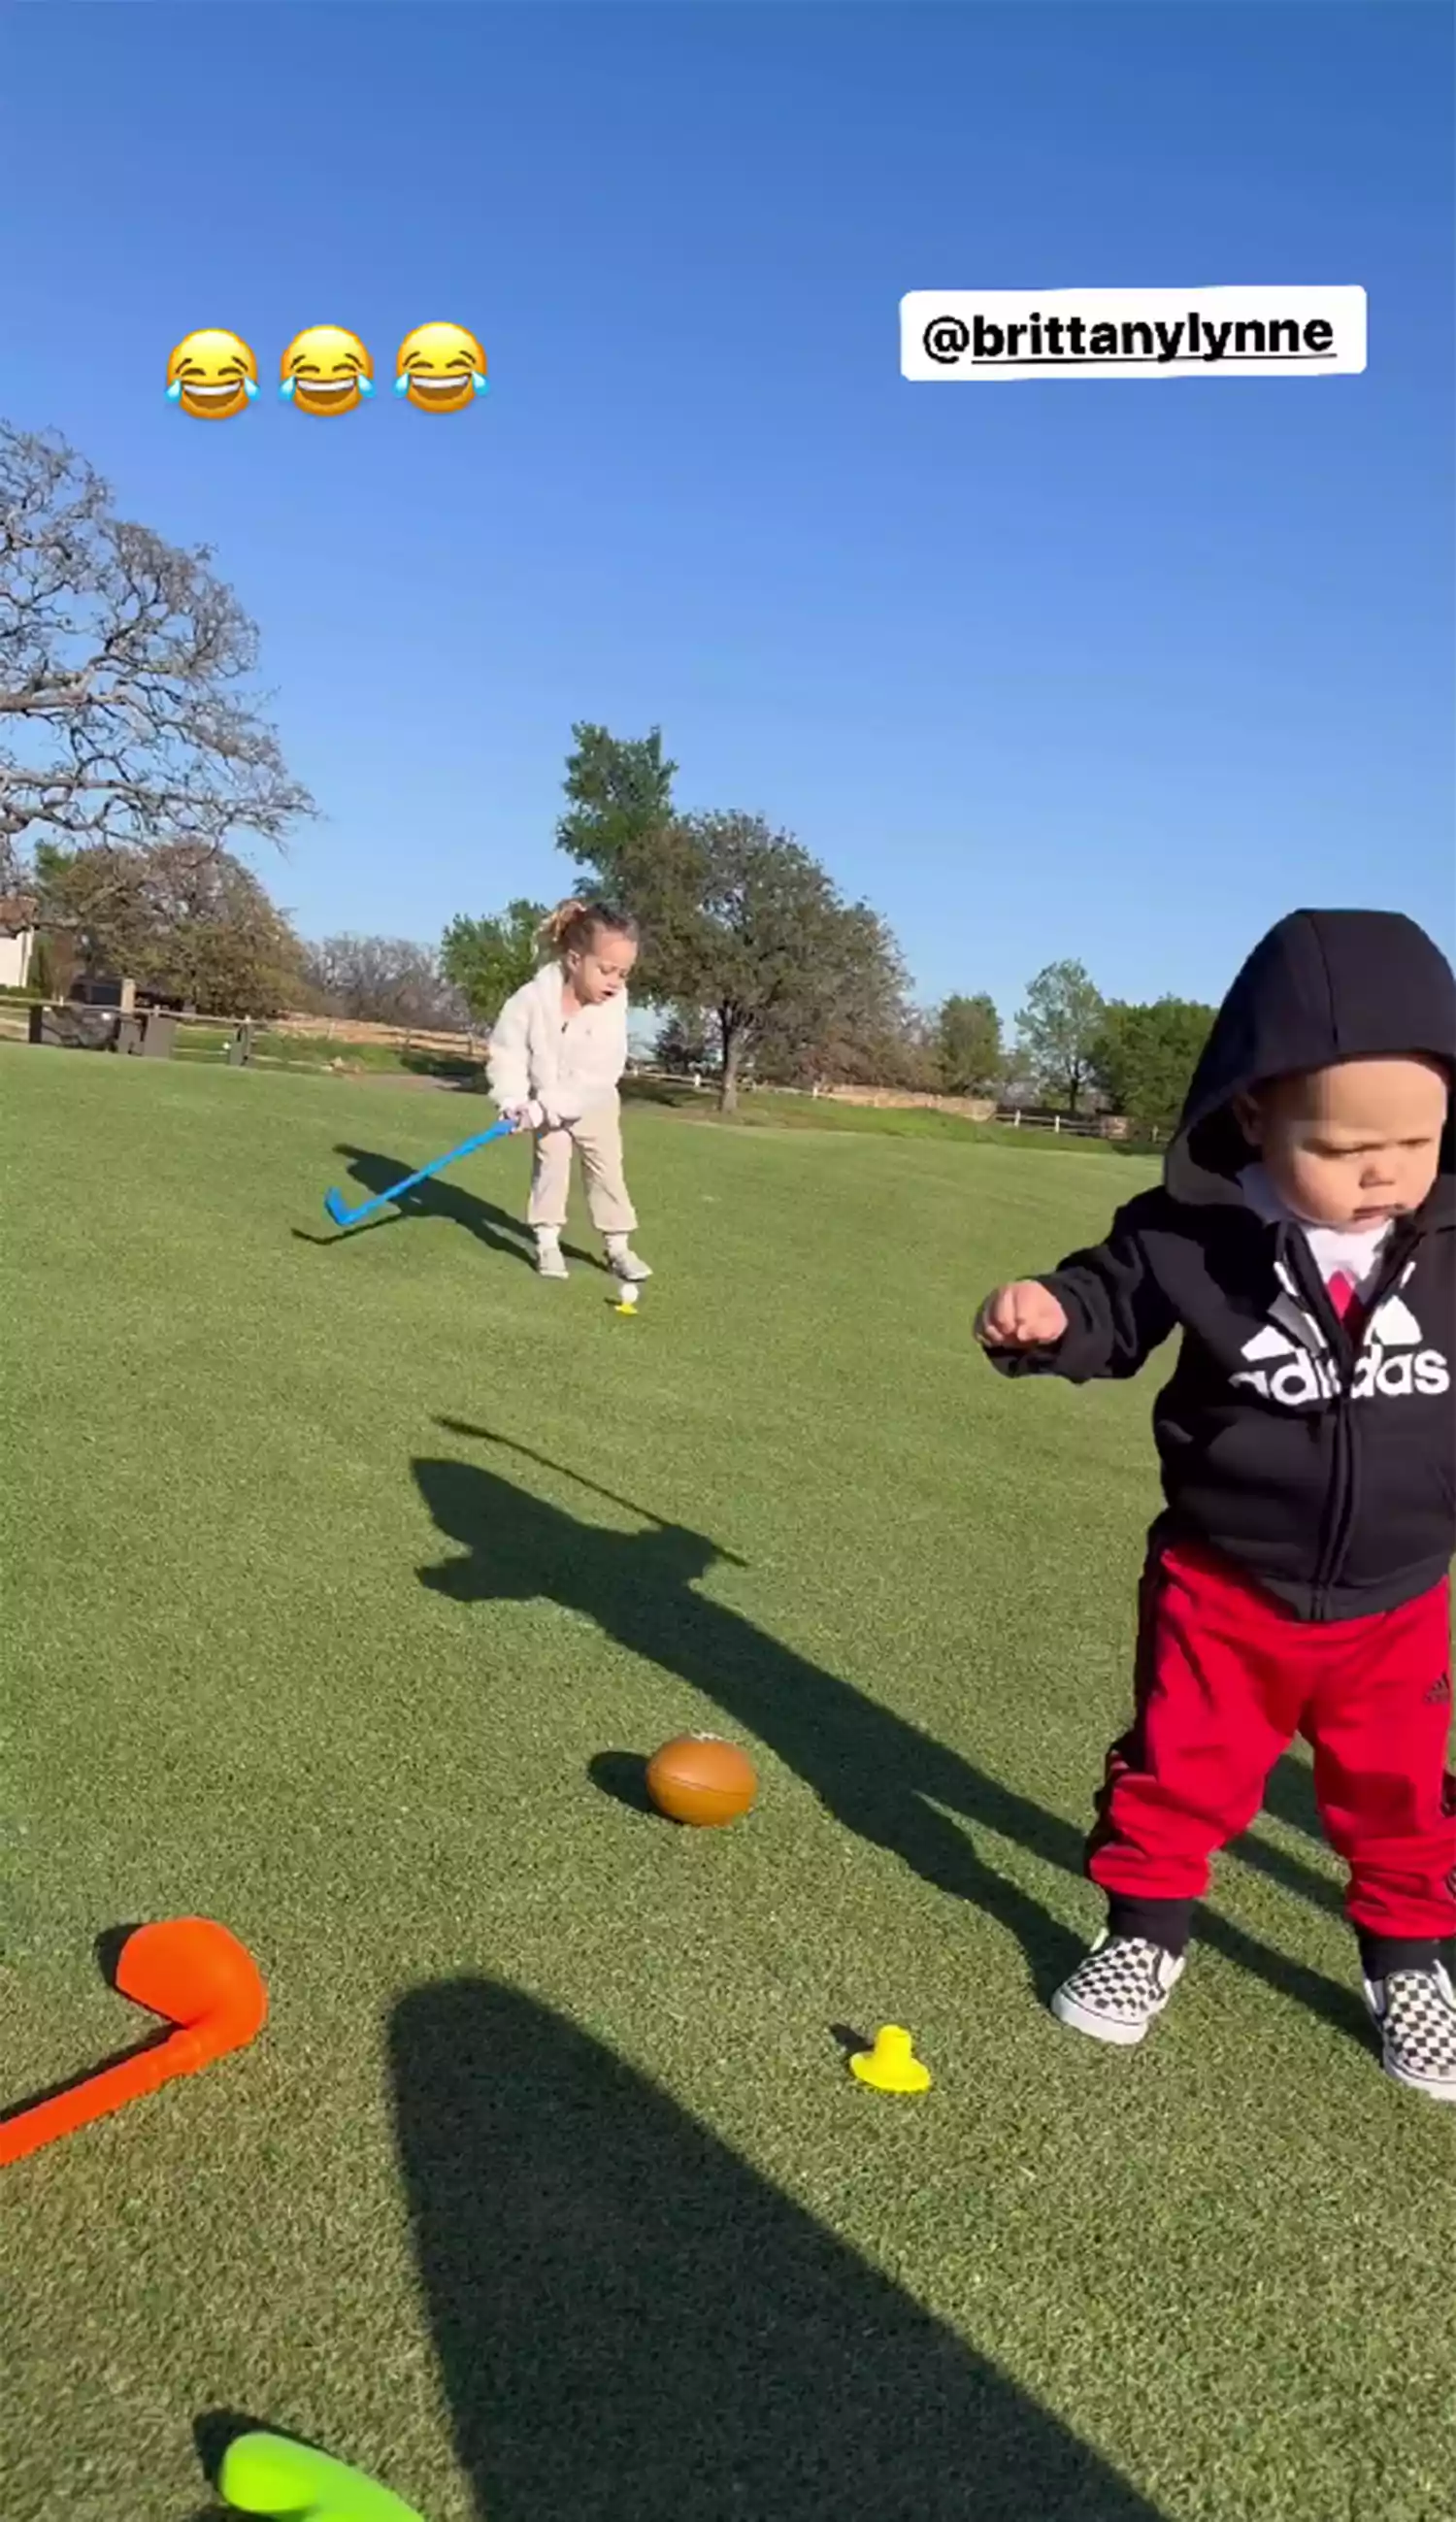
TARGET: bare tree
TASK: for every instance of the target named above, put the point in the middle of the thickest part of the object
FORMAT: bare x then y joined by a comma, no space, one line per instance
127,714
382,980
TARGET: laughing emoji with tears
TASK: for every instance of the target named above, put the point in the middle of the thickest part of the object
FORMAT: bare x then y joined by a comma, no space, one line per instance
212,375
441,367
324,371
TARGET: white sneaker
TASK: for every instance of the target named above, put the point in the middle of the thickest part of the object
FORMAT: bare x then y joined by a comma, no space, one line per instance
630,1265
1121,1987
551,1262
1415,2012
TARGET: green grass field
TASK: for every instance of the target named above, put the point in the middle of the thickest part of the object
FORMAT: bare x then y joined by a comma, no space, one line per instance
346,1582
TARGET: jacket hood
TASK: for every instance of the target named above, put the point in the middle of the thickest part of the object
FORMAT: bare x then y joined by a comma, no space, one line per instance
1323,986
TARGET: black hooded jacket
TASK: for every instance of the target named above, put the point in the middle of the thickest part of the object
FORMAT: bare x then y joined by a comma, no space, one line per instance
1320,1463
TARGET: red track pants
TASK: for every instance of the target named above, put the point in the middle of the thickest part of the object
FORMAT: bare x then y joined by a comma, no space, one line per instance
1226,1679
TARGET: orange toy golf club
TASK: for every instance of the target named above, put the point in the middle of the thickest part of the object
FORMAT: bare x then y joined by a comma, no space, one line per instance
199,1979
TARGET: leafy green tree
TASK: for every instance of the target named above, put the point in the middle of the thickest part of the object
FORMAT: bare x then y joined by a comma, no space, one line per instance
95,901
489,960
198,927
44,977
847,1020
684,1042
738,920
1058,1031
786,974
970,1055
1145,1055
632,849
909,1056
620,795
762,950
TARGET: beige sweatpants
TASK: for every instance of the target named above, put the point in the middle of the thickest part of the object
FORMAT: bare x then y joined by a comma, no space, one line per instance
598,1139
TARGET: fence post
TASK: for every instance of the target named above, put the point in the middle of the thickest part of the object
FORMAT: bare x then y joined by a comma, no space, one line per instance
1056,1125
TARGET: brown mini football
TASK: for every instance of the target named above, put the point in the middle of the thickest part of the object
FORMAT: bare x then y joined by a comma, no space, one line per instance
701,1780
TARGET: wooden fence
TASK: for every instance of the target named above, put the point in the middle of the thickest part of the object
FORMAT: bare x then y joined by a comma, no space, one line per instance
214,1034
218,1037
470,1045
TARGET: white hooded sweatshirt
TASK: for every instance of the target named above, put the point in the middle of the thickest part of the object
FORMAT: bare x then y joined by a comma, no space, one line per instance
568,1064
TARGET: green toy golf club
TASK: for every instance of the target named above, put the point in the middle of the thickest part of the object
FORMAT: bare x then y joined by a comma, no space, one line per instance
269,2474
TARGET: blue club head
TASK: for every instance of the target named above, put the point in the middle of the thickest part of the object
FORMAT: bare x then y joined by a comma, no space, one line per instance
333,1202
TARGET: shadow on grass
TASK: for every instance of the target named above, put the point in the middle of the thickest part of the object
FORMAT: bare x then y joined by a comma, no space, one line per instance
623,1776
669,1094
1290,1795
464,1074
214,2432
439,1198
106,1950
629,2320
876,1773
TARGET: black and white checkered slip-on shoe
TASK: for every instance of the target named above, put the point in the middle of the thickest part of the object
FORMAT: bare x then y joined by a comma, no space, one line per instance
1121,1987
1415,2011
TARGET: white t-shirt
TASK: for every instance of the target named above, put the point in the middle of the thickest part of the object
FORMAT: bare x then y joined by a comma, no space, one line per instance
1346,1257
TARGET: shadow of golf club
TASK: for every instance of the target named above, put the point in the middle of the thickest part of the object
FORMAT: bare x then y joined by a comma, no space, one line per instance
630,2319
439,1198
479,1435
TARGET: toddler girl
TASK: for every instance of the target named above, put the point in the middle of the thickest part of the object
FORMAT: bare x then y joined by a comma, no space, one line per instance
557,1054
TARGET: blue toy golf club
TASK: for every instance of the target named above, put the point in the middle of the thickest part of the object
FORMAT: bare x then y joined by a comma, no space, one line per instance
333,1201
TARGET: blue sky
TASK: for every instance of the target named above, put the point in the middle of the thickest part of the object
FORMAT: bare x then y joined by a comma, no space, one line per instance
1113,670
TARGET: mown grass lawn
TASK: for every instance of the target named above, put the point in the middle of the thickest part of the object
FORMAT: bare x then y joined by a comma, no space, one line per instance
344,1582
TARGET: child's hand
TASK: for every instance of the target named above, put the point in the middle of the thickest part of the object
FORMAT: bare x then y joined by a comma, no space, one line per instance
1025,1314
524,1116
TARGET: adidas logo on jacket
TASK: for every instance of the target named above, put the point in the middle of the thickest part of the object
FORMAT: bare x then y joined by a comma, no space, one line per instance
1297,1368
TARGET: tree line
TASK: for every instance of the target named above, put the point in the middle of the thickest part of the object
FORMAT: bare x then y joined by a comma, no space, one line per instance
763,967
136,761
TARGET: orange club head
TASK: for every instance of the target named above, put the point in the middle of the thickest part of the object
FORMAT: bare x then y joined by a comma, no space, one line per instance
441,367
324,371
201,1981
197,1976
212,375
